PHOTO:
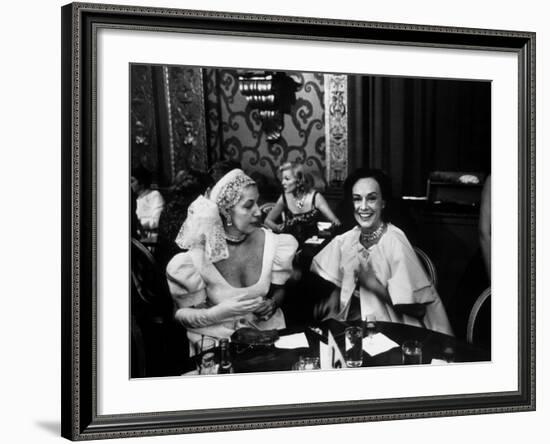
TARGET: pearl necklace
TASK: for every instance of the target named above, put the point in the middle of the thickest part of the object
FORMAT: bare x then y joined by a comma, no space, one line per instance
374,236
235,239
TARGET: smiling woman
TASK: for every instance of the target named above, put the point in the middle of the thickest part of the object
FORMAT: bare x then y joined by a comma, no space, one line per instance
233,273
373,266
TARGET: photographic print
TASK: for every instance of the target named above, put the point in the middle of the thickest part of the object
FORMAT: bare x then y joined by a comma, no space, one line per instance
278,221
288,220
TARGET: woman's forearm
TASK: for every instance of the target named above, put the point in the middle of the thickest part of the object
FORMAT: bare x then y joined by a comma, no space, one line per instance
331,216
382,293
191,317
369,281
415,310
325,209
270,224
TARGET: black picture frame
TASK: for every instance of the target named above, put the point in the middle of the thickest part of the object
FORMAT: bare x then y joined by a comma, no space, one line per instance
79,210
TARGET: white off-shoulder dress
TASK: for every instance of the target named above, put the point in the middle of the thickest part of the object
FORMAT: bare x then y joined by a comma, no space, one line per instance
196,283
396,266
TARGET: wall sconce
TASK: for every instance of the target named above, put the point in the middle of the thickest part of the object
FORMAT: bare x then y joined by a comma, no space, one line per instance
272,94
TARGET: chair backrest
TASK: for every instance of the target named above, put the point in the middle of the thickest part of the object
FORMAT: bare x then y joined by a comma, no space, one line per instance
474,312
148,281
428,265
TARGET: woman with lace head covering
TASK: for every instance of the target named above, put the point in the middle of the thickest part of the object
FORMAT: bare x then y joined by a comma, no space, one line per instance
233,272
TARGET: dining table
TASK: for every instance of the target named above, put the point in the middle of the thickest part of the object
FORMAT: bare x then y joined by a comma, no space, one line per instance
436,347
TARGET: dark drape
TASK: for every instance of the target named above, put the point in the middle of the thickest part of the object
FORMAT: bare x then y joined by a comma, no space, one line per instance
410,127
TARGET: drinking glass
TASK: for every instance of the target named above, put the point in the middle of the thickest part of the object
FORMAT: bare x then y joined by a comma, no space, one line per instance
207,362
354,346
448,352
411,352
370,325
308,363
323,228
204,344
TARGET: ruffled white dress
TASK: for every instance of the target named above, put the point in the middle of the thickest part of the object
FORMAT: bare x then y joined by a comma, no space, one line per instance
396,266
197,284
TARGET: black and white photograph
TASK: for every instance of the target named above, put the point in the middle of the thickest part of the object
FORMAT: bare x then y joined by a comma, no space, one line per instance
306,221
274,222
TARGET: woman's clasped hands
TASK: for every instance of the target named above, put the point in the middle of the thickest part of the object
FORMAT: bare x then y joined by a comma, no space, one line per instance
367,279
266,309
240,305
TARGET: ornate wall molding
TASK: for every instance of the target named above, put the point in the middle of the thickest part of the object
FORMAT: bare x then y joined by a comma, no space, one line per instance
237,129
168,101
336,127
187,118
143,117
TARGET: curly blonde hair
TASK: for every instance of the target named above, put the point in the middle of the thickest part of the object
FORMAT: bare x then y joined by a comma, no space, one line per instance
303,179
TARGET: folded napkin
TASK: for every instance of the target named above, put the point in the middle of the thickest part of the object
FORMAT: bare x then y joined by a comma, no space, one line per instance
314,240
378,343
438,361
297,340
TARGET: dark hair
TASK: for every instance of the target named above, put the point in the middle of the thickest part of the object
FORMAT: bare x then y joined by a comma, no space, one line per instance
142,175
191,181
221,168
345,209
365,173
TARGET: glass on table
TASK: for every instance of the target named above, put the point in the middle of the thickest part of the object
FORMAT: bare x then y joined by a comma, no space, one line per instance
307,363
208,364
411,352
448,351
204,344
205,347
323,228
370,325
354,346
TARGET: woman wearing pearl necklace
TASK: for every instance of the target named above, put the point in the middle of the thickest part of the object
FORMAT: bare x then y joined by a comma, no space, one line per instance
233,272
373,267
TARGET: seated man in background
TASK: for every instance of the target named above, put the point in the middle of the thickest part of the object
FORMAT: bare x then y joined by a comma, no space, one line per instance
149,203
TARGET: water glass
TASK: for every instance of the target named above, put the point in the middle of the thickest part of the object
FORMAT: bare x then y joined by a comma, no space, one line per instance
448,352
308,363
208,365
354,346
204,344
205,347
411,352
370,325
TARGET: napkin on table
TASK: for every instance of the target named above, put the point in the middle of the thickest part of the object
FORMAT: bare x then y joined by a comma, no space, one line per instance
314,240
297,340
378,343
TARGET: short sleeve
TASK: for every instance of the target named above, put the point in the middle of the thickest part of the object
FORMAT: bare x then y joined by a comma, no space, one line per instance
285,250
185,282
326,263
408,283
